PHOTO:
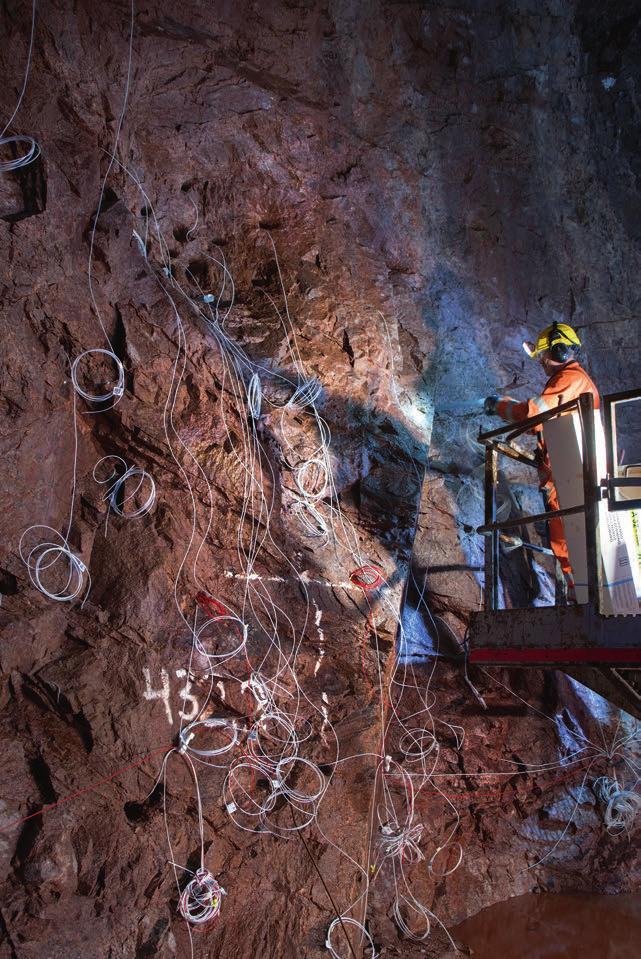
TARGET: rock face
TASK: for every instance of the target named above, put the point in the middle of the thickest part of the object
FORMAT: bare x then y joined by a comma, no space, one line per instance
399,193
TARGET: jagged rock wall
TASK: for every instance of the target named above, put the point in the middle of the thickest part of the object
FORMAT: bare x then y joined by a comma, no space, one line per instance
468,173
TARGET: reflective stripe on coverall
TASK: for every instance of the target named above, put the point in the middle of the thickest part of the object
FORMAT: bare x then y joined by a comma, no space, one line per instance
567,383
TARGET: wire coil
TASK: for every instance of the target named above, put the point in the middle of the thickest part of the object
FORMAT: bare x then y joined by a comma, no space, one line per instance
254,396
28,155
411,905
311,479
240,799
201,899
237,625
290,791
114,393
116,495
402,843
452,869
621,805
188,733
47,554
343,921
367,577
417,744
267,746
306,394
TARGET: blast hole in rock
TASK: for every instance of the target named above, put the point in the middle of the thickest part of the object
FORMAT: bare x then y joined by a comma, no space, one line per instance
180,234
109,200
266,277
198,274
135,811
8,583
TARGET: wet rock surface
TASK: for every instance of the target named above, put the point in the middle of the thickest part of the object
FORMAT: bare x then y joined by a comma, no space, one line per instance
401,192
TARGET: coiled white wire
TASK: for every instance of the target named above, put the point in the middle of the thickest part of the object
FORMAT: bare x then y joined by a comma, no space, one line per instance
418,744
117,496
31,153
240,799
47,554
311,479
354,924
452,869
189,732
236,623
411,905
34,150
621,805
115,392
306,394
201,898
254,396
283,770
266,745
403,843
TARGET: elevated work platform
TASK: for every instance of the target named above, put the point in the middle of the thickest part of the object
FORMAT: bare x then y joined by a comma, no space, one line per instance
554,636
597,641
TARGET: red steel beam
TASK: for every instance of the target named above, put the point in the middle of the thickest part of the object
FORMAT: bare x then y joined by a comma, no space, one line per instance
544,655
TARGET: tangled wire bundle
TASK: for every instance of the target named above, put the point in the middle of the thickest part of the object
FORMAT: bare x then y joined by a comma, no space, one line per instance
201,899
403,842
621,805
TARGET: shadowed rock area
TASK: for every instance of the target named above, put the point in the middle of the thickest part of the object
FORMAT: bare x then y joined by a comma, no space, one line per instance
400,193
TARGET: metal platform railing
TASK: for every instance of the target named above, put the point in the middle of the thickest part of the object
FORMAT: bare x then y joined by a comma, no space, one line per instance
499,442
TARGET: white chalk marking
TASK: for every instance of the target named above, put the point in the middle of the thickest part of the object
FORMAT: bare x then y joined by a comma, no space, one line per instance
253,577
325,712
162,693
185,695
321,635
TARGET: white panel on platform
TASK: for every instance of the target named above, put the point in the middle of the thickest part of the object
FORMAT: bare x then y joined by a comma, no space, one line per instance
621,576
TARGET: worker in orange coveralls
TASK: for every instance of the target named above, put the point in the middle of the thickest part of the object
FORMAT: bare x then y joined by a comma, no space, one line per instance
556,348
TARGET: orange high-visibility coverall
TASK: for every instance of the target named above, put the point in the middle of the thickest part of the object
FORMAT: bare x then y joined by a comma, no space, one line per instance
567,383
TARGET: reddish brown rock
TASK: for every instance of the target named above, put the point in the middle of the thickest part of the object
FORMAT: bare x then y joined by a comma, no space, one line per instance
467,174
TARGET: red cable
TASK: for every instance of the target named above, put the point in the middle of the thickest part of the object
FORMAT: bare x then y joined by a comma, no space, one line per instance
208,603
367,577
87,789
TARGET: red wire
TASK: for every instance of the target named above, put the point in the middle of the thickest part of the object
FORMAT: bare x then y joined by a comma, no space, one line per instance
367,577
207,603
86,789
